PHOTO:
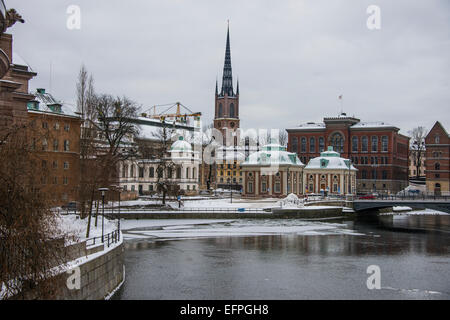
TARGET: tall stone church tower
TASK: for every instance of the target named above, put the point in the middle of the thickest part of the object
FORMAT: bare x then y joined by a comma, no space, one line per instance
226,116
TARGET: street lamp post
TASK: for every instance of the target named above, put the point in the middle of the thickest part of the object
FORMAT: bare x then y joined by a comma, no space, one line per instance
103,191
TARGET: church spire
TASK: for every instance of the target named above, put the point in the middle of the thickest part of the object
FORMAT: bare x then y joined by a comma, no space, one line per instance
237,87
227,79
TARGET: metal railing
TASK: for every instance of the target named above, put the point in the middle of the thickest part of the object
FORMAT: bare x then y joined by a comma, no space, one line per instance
108,239
413,197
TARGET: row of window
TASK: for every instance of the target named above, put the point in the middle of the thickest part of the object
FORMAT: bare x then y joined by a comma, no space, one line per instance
337,142
222,180
191,173
373,160
232,113
55,164
65,180
229,173
374,174
152,188
66,146
56,126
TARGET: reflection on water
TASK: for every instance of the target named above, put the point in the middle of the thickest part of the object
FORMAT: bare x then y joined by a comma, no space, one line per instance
414,265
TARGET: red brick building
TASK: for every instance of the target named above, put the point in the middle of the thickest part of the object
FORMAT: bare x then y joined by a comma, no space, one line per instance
437,163
376,149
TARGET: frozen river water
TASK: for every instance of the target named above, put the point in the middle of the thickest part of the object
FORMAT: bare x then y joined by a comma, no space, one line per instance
286,259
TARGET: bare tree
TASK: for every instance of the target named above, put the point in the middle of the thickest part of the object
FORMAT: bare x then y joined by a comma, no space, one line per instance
31,244
208,140
283,137
107,126
417,147
166,168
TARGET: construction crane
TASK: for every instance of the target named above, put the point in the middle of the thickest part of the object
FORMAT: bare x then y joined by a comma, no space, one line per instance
178,116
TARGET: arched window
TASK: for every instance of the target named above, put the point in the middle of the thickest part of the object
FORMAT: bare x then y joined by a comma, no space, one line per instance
337,141
354,144
232,110
312,144
294,144
220,110
321,144
374,144
436,139
364,144
303,145
187,173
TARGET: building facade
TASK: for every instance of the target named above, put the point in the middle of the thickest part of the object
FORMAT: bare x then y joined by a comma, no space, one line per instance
57,142
437,163
14,77
330,174
272,173
139,175
377,149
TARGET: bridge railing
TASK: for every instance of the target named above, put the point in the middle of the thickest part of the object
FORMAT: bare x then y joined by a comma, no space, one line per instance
408,197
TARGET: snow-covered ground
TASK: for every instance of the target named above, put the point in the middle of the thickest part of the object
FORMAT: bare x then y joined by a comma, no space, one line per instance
76,227
200,228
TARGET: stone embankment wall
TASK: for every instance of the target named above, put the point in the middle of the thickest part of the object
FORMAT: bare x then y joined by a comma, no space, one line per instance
100,276
94,273
304,213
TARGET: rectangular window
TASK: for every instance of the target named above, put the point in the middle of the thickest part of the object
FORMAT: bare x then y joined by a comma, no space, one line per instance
264,187
55,145
56,126
141,172
44,144
65,180
364,144
66,127
277,187
66,165
321,144
250,187
44,125
55,164
374,144
66,145
312,145
384,143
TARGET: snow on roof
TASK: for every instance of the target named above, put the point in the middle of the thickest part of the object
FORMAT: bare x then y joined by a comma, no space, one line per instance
375,124
45,102
273,154
330,160
309,126
181,145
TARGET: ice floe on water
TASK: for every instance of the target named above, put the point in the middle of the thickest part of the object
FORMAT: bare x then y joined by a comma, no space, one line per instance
202,228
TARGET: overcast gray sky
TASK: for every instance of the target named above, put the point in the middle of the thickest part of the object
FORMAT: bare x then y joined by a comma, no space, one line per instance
293,58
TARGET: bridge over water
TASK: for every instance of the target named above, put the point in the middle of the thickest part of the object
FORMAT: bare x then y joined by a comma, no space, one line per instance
440,204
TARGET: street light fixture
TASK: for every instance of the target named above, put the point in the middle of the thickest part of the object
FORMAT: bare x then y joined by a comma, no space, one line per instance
119,189
103,191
